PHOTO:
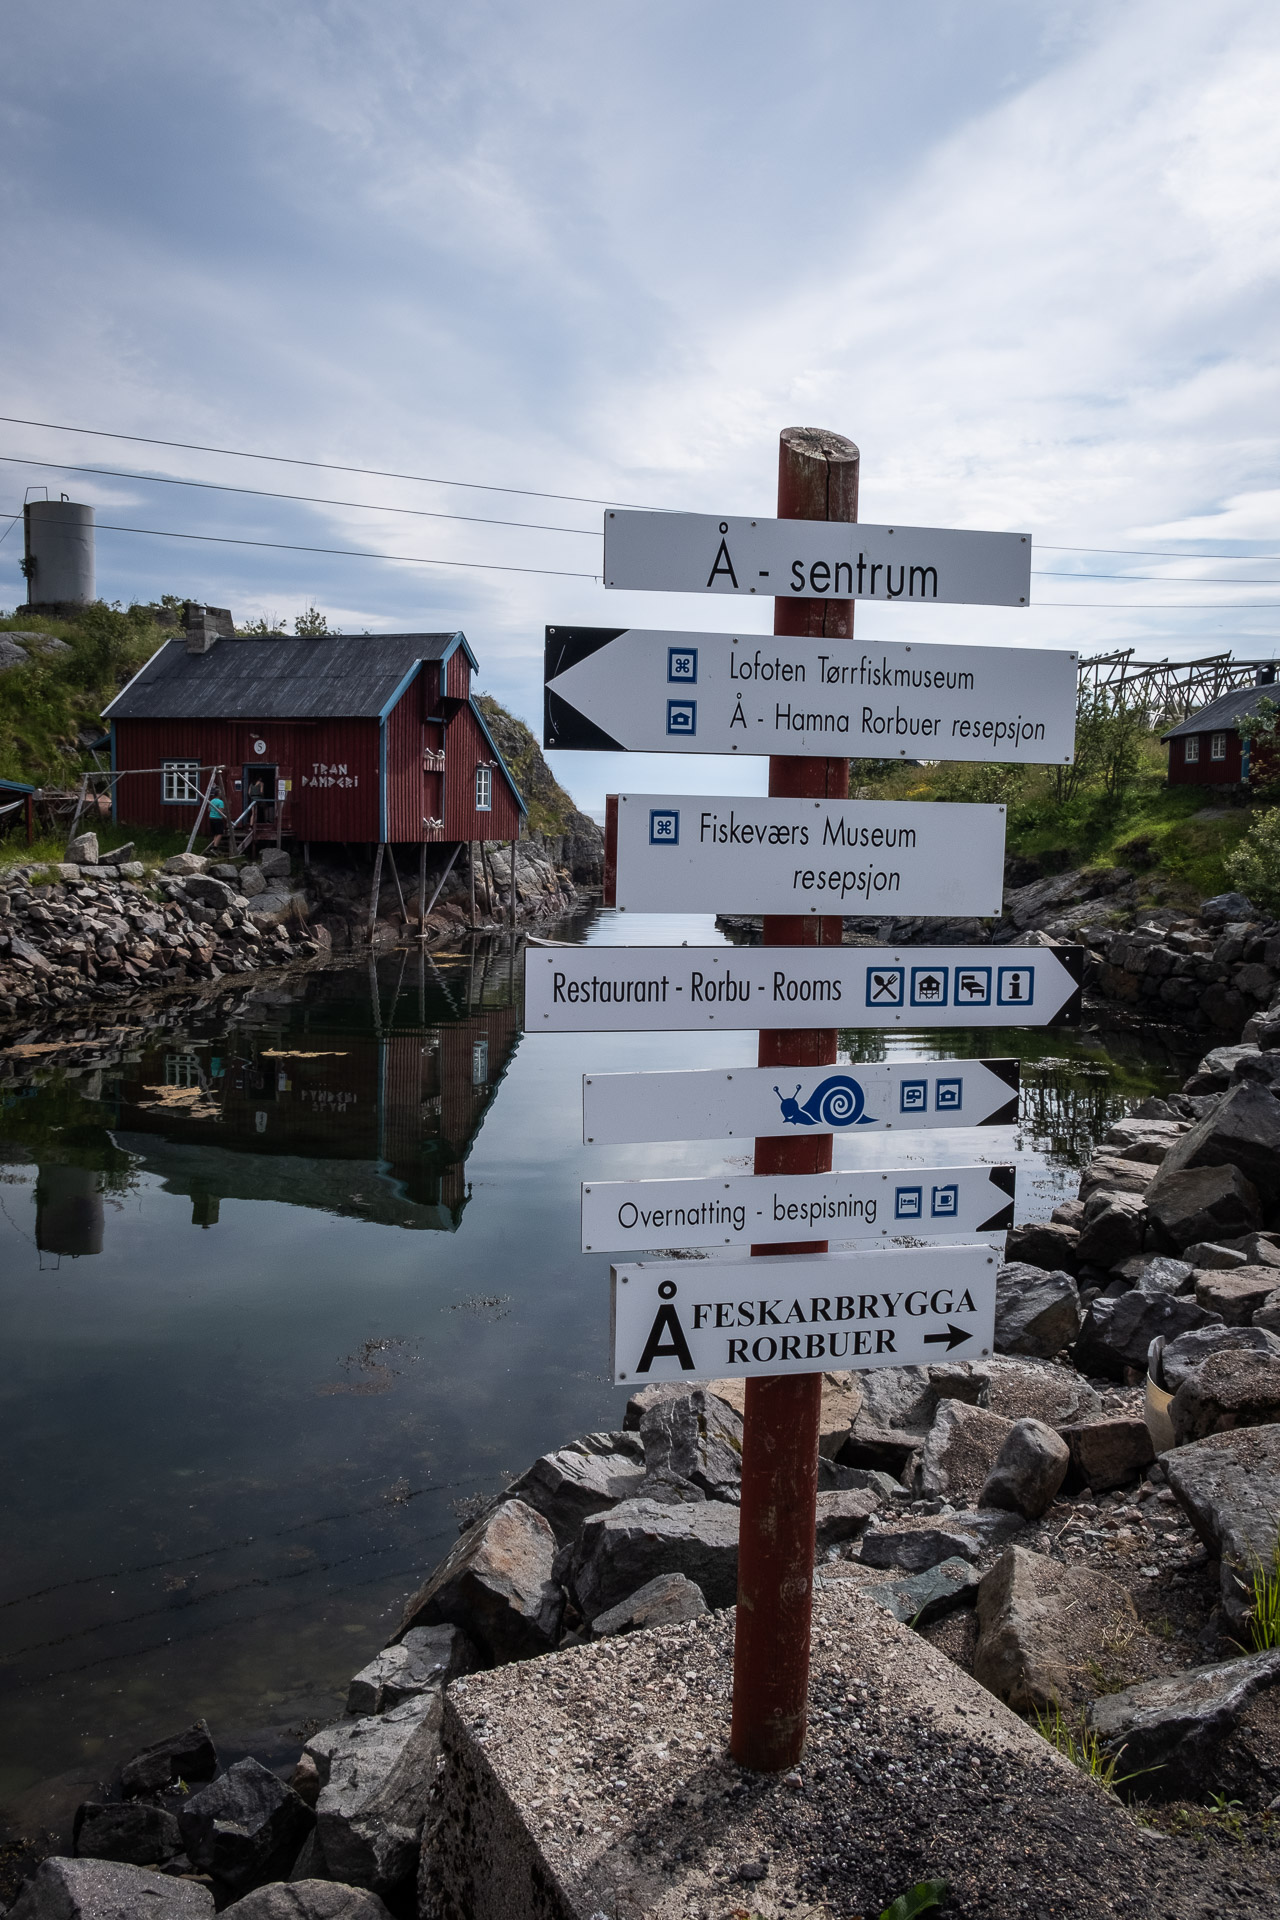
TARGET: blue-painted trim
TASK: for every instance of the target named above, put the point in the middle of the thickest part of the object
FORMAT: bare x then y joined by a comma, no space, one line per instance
15,786
502,765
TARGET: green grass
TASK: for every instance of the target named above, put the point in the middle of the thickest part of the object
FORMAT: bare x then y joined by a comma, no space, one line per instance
1074,1741
1264,1614
152,845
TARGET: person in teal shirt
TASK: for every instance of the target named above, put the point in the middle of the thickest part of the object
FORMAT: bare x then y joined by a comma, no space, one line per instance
218,821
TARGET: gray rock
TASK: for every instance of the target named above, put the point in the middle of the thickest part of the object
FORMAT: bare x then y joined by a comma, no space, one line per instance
1201,1203
1029,1469
496,1585
1268,1314
1210,1257
659,1603
1118,1333
1147,1140
83,850
1037,1312
23,950
1155,1273
960,1450
916,1549
272,909
129,1830
565,1487
121,856
182,863
252,882
1109,1453
235,1826
108,1890
1234,1388
1236,1295
1169,1730
1104,1174
274,862
1262,1068
427,1657
1259,1249
188,1756
842,1515
375,1775
898,1407
1043,1243
1038,1620
1182,1356
310,1900
697,1438
1224,907
922,1598
1243,1134
1113,1229
1023,1388
620,1551
1229,1486
212,892
132,870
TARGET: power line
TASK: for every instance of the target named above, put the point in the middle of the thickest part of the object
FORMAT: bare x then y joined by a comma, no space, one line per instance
342,553
1191,579
1159,553
308,499
328,466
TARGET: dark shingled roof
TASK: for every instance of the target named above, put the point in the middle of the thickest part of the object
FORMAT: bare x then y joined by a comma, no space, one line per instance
338,677
1221,714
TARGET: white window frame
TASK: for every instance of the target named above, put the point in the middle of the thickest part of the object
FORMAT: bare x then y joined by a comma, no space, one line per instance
180,783
484,789
1217,746
480,1063
1191,749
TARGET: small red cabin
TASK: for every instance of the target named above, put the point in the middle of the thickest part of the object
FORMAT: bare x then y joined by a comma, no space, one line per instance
370,737
1206,749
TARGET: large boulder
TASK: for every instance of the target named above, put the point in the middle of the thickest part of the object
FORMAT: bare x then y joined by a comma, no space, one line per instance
1243,1133
918,1599
897,1411
1117,1334
108,1890
1229,1487
1043,1243
183,863
1023,1388
83,850
1114,1224
697,1438
842,1513
916,1549
242,1823
1039,1622
659,1603
1156,1273
427,1657
1169,1730
624,1549
1028,1470
1234,1388
565,1487
1182,1356
1113,1176
496,1585
375,1775
1037,1312
1201,1203
1110,1453
1142,1139
126,1830
274,862
1235,1294
190,1755
959,1450
310,1900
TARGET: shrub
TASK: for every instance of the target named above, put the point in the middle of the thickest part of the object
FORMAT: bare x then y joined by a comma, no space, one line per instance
1254,867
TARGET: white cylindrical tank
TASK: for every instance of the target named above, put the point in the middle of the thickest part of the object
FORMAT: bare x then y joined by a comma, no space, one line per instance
59,557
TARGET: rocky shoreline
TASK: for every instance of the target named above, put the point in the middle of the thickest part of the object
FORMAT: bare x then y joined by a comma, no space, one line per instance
1072,1542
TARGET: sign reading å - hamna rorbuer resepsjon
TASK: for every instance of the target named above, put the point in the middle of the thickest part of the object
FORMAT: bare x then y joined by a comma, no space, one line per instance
871,1207
728,1103
687,852
807,1313
643,690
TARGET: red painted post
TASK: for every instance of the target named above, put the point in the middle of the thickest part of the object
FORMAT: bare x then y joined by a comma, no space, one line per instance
817,480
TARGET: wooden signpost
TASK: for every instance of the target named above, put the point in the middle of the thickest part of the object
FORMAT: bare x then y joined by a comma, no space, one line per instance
805,857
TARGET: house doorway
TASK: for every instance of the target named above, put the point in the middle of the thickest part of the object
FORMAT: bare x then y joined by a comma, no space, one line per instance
260,786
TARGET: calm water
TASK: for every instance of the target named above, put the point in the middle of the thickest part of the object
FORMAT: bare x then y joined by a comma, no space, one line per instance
283,1284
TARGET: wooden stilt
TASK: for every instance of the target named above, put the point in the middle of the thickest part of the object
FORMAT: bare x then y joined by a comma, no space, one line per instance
377,888
422,890
511,904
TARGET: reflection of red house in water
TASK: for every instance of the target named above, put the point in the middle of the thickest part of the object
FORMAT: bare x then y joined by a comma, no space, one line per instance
377,1127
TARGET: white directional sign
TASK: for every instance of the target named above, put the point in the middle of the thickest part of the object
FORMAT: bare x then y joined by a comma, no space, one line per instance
642,690
815,559
686,852
718,1103
868,1208
691,989
804,1313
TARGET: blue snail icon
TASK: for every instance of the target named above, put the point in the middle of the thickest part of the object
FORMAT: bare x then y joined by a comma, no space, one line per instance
837,1102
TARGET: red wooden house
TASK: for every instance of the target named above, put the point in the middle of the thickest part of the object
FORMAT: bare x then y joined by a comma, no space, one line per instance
371,737
1206,749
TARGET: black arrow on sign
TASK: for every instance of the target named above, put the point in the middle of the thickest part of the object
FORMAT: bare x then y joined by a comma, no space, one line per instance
953,1337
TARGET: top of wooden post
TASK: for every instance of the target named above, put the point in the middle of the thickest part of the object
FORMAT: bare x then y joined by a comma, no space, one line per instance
817,475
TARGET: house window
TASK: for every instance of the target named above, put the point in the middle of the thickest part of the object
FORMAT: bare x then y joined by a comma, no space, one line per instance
480,1063
1217,746
181,782
484,789
1191,749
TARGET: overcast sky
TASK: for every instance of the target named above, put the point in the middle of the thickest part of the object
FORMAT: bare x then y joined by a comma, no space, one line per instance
1024,254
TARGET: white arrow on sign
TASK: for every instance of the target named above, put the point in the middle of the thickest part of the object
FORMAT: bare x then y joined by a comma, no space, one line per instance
640,690
716,1103
871,1207
691,989
690,853
815,559
802,1313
